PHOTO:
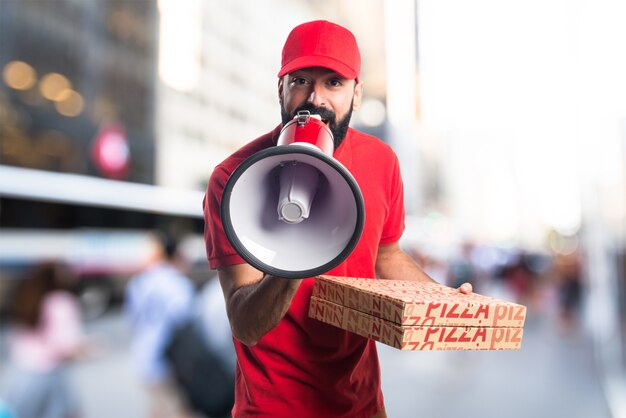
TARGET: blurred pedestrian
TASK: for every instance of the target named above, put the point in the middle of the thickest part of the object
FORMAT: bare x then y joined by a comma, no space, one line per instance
158,300
45,335
5,410
215,326
202,356
461,269
569,270
518,278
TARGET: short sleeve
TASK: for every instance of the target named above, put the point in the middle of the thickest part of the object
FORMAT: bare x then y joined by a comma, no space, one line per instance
219,250
393,226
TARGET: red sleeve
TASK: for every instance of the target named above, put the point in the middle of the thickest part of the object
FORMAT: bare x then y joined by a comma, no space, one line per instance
394,223
219,251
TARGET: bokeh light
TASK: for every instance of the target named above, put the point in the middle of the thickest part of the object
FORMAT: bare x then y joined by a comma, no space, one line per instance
19,75
72,103
54,86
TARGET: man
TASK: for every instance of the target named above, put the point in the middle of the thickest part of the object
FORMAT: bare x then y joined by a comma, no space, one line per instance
290,365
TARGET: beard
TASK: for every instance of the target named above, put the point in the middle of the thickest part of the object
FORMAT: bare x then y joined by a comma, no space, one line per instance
339,128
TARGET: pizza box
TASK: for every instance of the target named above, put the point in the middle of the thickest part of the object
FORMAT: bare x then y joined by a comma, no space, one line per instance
418,303
416,337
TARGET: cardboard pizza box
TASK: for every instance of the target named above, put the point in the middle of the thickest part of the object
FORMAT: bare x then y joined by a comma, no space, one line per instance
416,337
418,303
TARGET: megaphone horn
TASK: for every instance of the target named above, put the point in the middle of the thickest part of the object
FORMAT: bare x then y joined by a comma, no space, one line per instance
293,210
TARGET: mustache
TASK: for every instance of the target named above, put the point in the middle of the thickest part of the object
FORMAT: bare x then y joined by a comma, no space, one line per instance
339,128
324,113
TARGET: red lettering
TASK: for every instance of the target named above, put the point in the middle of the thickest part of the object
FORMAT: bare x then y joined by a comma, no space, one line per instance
320,289
450,338
520,313
365,302
397,341
431,319
376,328
337,295
364,326
432,307
482,310
337,318
329,314
376,305
411,320
386,310
497,336
430,331
464,338
318,310
397,317
481,333
353,298
452,312
386,336
353,316
410,345
466,313
499,314
408,334
409,309
428,346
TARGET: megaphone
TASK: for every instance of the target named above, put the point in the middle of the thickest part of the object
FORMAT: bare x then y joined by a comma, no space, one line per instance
292,210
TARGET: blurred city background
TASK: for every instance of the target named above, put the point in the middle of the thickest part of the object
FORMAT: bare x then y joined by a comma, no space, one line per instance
509,118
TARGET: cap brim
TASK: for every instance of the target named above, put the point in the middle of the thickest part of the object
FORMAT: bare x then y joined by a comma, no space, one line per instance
319,61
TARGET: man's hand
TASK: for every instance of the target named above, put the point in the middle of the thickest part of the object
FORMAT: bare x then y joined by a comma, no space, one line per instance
466,288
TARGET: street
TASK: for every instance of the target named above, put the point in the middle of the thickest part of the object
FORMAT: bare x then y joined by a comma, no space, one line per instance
553,375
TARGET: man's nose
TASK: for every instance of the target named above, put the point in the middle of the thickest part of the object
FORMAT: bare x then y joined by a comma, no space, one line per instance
316,97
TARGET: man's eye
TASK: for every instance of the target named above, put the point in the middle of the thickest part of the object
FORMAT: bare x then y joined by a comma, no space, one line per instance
299,81
335,83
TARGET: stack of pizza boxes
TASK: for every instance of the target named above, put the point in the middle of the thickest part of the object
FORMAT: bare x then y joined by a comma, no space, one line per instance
416,315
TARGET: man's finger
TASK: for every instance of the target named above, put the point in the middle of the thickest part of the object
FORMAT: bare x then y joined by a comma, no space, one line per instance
466,288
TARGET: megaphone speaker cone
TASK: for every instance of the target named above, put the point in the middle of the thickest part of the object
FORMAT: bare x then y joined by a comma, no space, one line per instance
320,211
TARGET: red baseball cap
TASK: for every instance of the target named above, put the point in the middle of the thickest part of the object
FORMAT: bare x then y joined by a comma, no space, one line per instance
321,44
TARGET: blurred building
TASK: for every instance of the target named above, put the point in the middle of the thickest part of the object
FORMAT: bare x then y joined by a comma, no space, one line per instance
70,70
154,92
217,81
77,140
77,96
528,127
217,85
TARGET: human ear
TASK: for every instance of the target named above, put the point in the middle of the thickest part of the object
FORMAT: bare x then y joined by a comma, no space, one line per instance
280,90
358,96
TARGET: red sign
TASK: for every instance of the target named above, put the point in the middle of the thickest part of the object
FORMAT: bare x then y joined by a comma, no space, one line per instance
110,152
